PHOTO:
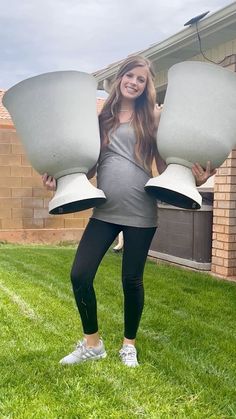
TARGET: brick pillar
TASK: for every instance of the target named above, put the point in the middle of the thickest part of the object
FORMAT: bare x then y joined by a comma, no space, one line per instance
224,210
224,219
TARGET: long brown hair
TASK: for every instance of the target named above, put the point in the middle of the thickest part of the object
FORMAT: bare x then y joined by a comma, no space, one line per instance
143,119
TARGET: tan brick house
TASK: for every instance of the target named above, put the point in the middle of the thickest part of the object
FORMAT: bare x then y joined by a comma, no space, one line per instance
218,39
23,210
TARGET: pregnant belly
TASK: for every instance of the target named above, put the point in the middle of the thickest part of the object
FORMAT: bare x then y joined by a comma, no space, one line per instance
120,177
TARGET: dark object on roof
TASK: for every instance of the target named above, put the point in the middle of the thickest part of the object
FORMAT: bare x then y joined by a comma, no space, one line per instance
196,19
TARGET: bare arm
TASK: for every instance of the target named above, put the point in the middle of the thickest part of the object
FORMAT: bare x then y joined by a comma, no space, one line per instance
201,175
157,115
92,172
160,163
50,182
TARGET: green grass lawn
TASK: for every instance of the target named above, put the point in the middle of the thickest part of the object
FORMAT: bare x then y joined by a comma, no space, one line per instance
186,342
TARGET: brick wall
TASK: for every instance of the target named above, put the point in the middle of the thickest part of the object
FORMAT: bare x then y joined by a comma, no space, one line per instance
24,216
224,219
224,211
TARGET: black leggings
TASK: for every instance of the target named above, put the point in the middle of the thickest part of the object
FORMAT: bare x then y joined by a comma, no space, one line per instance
97,238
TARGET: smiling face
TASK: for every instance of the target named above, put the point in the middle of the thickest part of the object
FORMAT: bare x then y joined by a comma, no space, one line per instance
133,83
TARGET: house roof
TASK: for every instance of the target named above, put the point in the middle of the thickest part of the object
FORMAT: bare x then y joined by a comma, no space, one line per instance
215,29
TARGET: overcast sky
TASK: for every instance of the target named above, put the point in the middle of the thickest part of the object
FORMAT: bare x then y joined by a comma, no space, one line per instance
37,36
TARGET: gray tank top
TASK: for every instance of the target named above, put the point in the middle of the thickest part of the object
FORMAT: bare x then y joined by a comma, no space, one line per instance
122,179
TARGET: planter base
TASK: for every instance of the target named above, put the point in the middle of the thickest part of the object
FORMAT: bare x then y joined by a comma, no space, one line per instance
75,193
175,186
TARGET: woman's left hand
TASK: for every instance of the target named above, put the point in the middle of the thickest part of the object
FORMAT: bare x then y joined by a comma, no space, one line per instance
202,175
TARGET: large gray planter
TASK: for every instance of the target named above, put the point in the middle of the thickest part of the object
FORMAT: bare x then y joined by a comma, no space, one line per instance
198,123
55,116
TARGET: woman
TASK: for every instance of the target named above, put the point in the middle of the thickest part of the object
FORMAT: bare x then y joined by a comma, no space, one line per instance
128,126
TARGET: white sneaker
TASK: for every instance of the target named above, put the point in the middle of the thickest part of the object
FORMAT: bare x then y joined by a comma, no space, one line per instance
128,355
84,353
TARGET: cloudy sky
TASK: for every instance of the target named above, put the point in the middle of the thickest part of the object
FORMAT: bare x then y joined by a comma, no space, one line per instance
37,36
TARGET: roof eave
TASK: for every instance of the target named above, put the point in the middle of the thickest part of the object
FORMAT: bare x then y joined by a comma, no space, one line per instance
179,41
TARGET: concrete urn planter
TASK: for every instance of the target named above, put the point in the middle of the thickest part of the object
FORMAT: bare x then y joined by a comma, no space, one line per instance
55,116
198,123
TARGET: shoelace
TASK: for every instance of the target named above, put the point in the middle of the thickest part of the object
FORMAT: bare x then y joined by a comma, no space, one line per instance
129,353
80,346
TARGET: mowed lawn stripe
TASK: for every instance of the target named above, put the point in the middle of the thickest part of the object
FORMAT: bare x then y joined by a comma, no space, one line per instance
186,342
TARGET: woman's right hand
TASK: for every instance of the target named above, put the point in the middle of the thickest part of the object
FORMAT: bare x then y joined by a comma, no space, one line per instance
49,182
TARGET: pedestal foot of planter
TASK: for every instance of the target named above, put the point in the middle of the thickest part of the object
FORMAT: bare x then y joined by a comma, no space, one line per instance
75,193
175,186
